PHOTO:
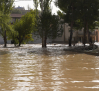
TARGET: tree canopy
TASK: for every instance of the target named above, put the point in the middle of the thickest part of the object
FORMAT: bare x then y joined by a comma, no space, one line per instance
24,28
48,25
5,8
71,13
16,11
81,12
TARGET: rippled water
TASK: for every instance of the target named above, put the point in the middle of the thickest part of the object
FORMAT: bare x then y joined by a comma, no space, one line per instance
31,68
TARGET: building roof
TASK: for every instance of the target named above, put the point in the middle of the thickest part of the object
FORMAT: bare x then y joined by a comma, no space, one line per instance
21,8
16,15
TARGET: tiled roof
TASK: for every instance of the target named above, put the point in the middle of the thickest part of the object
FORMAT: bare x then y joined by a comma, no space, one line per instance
16,15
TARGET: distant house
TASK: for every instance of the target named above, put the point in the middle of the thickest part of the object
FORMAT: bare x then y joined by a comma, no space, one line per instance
77,35
97,35
15,17
66,34
17,13
92,35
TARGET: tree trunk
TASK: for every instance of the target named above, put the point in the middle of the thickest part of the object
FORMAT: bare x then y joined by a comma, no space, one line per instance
43,42
71,31
19,40
84,39
5,40
88,33
71,34
19,43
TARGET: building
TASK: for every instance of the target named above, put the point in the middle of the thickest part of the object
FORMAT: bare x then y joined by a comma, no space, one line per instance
92,35
97,35
77,35
15,17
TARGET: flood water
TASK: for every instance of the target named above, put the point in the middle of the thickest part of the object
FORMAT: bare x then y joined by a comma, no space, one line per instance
31,68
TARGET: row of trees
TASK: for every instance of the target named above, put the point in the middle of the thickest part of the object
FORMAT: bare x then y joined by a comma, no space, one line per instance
21,31
43,23
79,14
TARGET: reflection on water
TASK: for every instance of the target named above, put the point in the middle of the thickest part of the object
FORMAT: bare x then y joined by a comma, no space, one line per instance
31,68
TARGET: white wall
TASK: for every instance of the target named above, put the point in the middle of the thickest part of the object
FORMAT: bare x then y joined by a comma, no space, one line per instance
2,41
38,40
65,35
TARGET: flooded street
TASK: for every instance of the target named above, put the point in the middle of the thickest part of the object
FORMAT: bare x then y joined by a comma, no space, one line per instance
31,68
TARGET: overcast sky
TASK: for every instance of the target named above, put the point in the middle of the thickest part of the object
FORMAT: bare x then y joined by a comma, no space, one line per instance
25,3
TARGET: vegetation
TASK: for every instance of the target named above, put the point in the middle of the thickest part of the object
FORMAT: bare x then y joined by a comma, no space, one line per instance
88,15
5,8
16,11
71,13
48,25
82,13
24,28
77,13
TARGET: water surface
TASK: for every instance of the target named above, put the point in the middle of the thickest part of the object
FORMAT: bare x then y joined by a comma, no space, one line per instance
31,68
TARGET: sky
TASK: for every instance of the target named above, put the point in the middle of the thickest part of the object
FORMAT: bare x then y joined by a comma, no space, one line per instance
25,3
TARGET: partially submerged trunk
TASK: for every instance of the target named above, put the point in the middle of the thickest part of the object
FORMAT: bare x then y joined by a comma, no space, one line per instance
44,42
71,34
84,36
5,39
19,43
20,40
84,39
88,33
89,37
71,31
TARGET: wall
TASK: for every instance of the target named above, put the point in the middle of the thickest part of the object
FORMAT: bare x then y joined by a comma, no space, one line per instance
2,41
66,34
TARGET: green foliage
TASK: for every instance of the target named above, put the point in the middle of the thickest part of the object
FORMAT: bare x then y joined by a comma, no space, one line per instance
89,11
5,8
24,28
16,11
60,14
79,13
48,25
70,13
88,15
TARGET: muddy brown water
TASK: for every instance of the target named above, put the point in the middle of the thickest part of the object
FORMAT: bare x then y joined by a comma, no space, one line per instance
31,68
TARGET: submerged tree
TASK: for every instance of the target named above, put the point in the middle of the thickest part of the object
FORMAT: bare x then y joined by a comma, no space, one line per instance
84,11
88,15
5,8
48,25
24,28
70,13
